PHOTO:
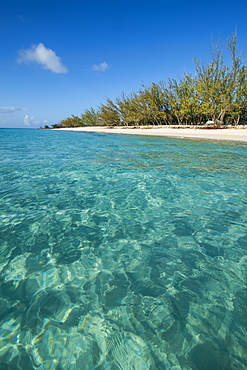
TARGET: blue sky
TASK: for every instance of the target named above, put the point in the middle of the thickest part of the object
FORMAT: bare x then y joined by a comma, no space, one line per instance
59,57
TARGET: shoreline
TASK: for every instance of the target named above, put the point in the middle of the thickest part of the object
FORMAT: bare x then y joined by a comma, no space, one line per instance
226,134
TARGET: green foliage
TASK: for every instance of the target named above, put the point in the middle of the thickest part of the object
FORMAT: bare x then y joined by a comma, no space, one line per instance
217,92
73,121
109,114
89,117
57,125
222,89
183,100
151,105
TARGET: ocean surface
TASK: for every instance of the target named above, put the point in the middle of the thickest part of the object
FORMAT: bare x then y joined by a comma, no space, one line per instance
122,252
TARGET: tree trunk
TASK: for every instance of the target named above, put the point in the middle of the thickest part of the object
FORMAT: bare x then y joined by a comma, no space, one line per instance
236,121
220,120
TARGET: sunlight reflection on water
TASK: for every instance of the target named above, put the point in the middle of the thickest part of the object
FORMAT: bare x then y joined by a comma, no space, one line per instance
122,252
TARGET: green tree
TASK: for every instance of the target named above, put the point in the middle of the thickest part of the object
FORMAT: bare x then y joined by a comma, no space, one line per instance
57,125
174,101
153,104
238,77
109,114
146,107
217,92
89,117
221,88
73,121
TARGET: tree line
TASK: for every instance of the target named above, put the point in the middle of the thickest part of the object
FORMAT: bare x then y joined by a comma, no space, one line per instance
216,93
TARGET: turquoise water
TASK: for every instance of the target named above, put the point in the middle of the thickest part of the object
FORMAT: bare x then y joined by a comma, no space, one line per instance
122,252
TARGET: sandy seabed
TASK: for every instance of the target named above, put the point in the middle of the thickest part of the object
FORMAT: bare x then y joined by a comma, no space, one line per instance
229,134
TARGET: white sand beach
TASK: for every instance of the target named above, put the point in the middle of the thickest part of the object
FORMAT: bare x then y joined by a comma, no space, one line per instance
229,134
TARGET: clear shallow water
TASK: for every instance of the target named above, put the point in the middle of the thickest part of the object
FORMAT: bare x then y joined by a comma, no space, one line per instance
122,252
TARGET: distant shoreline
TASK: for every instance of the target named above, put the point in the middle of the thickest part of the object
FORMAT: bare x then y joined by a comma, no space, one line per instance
227,134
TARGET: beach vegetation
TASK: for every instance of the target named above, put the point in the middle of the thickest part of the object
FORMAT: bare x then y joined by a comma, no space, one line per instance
221,88
89,117
73,121
57,125
109,114
216,92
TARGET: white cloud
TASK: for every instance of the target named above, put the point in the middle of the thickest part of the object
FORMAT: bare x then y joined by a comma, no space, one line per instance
10,109
100,67
28,120
47,58
45,121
